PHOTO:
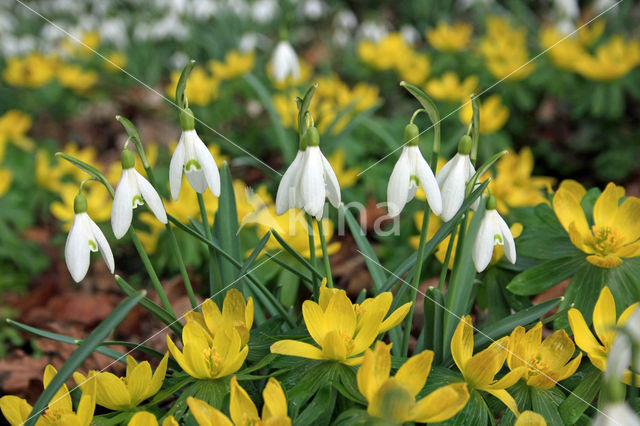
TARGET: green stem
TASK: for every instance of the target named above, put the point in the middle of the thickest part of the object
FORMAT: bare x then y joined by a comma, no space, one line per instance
182,266
215,279
447,260
416,279
152,273
325,255
312,258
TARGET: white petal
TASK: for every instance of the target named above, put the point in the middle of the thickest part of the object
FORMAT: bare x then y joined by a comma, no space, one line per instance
399,184
507,237
429,184
444,171
331,181
197,180
312,182
209,167
286,189
103,244
452,190
122,208
151,197
175,169
295,197
483,245
76,249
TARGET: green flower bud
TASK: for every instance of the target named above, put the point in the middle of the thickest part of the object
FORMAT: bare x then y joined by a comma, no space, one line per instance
411,134
465,144
80,204
187,122
492,204
311,137
128,159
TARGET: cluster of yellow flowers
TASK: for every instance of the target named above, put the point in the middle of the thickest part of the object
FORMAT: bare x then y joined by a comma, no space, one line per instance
505,50
450,38
394,53
204,81
14,126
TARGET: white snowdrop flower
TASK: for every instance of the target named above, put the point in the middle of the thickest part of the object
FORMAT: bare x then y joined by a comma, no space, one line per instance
493,231
616,414
410,34
309,180
248,42
284,62
264,11
314,9
133,190
373,31
84,237
345,19
619,358
410,171
602,5
453,177
192,156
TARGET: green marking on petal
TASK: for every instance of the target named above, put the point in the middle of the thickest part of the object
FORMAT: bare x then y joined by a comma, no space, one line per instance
192,164
497,239
414,178
137,201
93,245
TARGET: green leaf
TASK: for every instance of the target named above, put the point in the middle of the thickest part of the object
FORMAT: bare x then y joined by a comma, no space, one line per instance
582,396
504,326
182,84
303,107
225,227
433,312
583,291
134,135
138,347
320,409
545,402
80,355
378,275
151,307
495,281
545,275
349,384
296,255
93,172
475,127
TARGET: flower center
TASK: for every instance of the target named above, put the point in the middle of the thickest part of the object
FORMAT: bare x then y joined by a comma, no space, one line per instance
537,365
213,360
54,414
605,240
348,342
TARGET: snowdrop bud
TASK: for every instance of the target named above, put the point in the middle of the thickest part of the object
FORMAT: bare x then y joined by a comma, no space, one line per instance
187,121
411,135
80,204
453,177
493,231
465,144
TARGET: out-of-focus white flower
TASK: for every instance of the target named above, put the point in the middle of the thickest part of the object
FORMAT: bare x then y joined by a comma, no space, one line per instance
133,190
248,42
114,30
263,11
84,237
410,34
345,19
453,178
192,157
616,414
410,171
373,31
314,9
284,62
567,12
602,5
493,231
619,358
340,37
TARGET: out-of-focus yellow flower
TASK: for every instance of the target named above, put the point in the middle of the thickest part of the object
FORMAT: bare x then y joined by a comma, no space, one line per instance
479,370
235,65
201,88
414,69
75,78
346,177
14,125
47,176
612,60
89,42
450,38
589,34
514,186
615,233
547,362
394,398
249,204
564,51
86,154
236,313
115,61
5,180
33,70
242,409
394,53
125,393
145,418
529,418
493,114
505,50
450,88
604,323
60,411
342,330
98,202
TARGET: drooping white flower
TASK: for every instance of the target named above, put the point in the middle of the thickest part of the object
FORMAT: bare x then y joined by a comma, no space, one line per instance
616,414
133,190
493,231
192,156
453,177
84,237
619,359
309,180
284,62
410,171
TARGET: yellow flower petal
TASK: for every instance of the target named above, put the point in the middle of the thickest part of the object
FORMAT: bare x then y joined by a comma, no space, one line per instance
368,332
462,342
314,320
333,346
87,403
206,415
604,317
158,376
234,363
62,399
566,204
275,402
441,404
212,315
194,332
413,373
339,315
170,421
194,355
131,364
179,357
608,261
606,206
529,418
295,348
392,402
395,318
375,370
626,314
248,313
506,399
138,383
241,407
581,333
143,418
517,349
111,392
509,379
557,349
480,370
15,410
628,217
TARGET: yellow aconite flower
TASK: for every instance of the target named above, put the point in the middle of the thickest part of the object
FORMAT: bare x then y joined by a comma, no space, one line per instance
341,329
125,393
98,203
5,180
529,418
394,398
450,88
615,233
414,68
450,38
604,323
612,60
115,61
235,65
546,362
33,70
505,50
346,177
514,186
564,51
206,357
89,42
75,78
60,411
14,125
479,370
236,313
494,114
242,409
201,89
48,176
145,418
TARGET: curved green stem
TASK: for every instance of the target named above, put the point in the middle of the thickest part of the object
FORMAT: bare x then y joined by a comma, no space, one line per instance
325,255
312,257
215,279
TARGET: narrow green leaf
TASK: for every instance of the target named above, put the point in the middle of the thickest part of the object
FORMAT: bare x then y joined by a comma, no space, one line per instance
79,355
545,275
295,254
93,172
303,107
483,169
475,127
225,227
580,398
433,312
432,111
320,408
182,83
545,402
134,135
